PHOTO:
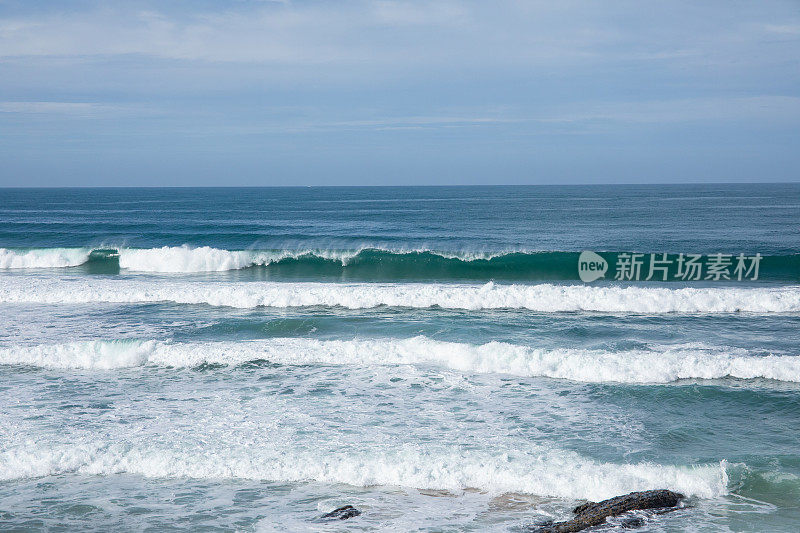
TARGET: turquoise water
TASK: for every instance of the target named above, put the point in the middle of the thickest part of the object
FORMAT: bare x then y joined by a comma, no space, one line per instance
248,359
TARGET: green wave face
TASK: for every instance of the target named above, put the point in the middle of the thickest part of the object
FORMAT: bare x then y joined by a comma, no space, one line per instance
384,265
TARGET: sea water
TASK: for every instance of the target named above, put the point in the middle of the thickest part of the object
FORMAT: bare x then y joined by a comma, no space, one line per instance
249,359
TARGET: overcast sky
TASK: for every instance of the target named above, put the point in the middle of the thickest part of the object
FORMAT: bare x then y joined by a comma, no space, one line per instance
394,92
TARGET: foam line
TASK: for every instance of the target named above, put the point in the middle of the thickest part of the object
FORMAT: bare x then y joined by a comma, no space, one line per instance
535,470
660,364
540,297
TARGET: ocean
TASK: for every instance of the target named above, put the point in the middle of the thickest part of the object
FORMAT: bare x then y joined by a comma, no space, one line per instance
248,359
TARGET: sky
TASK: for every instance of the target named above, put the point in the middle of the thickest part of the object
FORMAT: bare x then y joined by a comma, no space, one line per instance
196,93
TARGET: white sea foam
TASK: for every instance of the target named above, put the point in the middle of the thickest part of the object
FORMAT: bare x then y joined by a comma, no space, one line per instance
535,470
661,364
42,258
90,354
184,259
539,297
206,259
188,259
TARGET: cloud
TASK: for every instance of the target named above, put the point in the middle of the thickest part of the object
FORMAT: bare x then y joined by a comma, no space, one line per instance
783,29
61,108
399,33
776,109
784,109
399,81
277,33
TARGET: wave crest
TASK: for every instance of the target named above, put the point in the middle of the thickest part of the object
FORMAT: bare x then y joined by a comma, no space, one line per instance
546,298
43,258
536,470
660,364
366,263
177,259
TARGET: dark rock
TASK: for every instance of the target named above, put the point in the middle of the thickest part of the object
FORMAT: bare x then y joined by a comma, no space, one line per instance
593,514
342,513
632,522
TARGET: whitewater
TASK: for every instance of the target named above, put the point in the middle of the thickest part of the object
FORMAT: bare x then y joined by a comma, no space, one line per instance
368,262
547,472
661,364
187,259
247,360
540,297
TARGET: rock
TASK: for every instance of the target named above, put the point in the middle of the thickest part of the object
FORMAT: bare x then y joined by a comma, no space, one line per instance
632,522
592,514
342,513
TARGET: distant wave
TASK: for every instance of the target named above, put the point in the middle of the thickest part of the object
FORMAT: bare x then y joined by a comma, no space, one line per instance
661,364
208,259
540,297
364,263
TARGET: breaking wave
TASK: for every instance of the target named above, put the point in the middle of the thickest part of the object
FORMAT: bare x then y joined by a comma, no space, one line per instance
42,258
659,364
534,470
357,264
539,297
207,259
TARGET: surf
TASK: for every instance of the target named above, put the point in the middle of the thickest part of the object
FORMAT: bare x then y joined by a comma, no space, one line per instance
543,297
532,470
362,263
659,364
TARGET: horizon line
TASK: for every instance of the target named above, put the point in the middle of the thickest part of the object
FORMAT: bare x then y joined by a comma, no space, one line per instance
387,186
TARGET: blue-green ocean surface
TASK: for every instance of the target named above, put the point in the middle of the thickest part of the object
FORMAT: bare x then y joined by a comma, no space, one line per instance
249,359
